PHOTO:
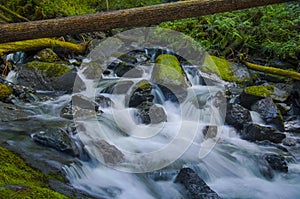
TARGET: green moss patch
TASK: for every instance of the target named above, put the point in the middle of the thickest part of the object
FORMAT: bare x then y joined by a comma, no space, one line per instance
18,180
50,69
5,91
168,71
261,91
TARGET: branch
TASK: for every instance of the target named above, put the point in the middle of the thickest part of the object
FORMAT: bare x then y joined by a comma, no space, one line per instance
272,70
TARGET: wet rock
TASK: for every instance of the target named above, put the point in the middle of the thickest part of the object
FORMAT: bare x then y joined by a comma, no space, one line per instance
69,82
210,131
123,68
196,188
141,93
84,102
237,116
170,77
292,124
283,108
289,142
46,76
149,113
276,162
256,132
122,87
93,70
269,112
110,153
60,139
134,73
103,102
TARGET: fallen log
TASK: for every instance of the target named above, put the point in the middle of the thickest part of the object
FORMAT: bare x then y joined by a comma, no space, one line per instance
274,71
141,16
36,44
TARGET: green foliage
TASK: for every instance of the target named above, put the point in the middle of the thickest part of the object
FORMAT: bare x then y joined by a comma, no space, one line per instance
44,9
269,31
18,180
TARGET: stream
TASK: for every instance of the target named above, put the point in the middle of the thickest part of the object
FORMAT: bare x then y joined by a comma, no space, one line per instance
126,158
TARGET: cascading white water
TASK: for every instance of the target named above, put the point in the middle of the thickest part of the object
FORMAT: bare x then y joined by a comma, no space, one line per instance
153,154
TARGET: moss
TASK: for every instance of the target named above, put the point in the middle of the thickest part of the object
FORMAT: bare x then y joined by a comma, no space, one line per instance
220,67
51,69
168,70
47,55
18,180
143,85
5,91
261,91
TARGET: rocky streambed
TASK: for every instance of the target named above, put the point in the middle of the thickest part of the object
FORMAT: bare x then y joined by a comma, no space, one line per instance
106,126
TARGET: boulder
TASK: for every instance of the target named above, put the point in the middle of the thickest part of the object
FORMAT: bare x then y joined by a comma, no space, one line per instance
110,153
276,162
256,132
292,124
195,187
278,92
170,77
46,76
237,116
269,112
149,113
62,140
226,70
141,93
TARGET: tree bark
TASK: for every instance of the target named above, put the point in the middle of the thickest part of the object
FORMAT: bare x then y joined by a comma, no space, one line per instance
141,16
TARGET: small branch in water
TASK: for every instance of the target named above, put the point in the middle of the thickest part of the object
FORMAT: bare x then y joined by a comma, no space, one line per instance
272,70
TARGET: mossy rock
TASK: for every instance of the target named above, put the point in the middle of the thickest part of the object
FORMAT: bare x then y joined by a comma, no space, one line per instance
18,180
167,71
47,55
50,69
268,90
226,70
170,77
5,91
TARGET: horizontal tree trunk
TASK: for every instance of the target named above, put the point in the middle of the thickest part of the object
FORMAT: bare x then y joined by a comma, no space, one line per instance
141,16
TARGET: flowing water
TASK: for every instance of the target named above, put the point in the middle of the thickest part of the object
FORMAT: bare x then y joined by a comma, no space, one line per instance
153,154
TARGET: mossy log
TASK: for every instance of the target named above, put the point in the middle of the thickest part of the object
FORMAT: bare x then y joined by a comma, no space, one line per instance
141,16
37,44
275,71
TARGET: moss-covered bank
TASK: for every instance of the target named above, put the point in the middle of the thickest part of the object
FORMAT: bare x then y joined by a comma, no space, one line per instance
18,180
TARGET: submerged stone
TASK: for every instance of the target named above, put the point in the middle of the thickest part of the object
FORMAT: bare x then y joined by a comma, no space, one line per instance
276,162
